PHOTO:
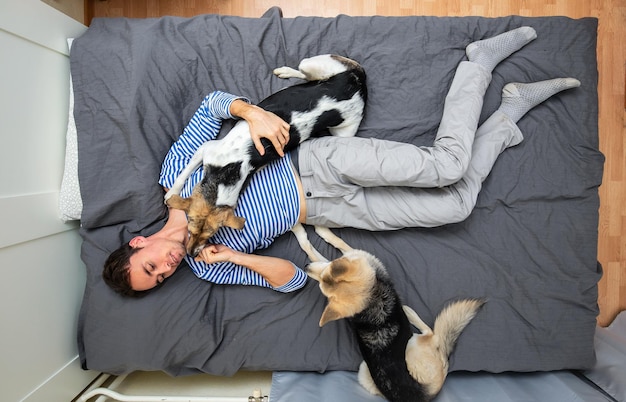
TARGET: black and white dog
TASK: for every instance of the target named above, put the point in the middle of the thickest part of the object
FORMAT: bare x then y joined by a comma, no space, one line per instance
332,100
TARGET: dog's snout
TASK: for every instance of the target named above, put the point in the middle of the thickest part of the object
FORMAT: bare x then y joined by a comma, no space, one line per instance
193,249
196,251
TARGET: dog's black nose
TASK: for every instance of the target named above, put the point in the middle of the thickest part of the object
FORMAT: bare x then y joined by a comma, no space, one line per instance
194,252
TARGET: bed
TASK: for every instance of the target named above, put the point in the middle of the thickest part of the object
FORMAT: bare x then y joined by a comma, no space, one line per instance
529,247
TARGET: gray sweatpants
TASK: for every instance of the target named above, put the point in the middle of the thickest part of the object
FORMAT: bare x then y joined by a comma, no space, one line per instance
375,184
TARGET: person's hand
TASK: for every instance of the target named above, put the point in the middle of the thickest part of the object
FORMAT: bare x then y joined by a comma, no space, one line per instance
268,125
276,271
213,253
263,124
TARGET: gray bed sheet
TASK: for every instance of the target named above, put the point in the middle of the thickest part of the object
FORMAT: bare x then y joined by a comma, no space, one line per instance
529,247
553,386
604,382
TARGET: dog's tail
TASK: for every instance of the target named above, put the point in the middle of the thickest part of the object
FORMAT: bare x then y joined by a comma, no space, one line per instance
452,321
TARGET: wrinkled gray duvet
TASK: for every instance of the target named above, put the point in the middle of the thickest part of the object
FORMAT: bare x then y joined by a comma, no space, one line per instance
529,247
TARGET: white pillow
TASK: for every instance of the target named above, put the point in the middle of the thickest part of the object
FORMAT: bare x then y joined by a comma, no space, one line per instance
70,201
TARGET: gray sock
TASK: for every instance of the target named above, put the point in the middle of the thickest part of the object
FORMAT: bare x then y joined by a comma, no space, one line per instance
489,52
518,99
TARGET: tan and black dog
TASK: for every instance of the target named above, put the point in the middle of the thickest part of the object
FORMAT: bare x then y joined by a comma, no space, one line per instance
400,365
331,101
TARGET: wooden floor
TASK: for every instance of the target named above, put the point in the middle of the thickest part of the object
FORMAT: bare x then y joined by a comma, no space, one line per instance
611,90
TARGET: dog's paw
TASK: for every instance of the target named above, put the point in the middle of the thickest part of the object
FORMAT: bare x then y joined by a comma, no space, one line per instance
168,196
365,379
287,72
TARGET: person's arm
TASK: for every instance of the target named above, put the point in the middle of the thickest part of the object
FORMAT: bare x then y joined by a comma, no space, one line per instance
281,274
204,126
262,124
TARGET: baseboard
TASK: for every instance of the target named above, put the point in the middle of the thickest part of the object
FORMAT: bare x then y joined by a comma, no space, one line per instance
64,385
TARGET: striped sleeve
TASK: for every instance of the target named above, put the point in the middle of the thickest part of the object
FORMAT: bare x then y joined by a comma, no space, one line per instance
204,126
227,273
297,282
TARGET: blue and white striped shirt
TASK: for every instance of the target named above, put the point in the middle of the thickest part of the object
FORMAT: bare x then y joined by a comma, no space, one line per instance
269,203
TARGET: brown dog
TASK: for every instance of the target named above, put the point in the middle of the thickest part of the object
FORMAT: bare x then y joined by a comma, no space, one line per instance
400,365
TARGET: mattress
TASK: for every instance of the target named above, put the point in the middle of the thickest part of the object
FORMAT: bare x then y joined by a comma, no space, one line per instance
529,247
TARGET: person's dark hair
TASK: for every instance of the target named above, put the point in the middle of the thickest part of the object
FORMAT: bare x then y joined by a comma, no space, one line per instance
116,271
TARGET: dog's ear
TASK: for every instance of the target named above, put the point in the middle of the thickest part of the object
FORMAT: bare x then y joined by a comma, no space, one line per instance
233,221
177,202
330,314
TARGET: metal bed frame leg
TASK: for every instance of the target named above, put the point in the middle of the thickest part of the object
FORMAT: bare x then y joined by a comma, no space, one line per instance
96,389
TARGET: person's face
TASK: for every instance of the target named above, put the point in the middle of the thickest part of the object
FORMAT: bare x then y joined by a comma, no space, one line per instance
156,260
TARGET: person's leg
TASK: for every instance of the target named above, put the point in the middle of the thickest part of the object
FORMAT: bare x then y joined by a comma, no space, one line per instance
390,163
390,208
453,143
398,164
500,131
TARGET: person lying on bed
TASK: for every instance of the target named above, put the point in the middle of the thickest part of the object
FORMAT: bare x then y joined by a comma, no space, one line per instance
393,185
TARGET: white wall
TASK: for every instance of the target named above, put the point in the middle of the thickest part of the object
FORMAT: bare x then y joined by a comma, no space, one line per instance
41,274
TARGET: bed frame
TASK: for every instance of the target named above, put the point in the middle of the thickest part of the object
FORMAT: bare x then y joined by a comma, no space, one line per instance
105,386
